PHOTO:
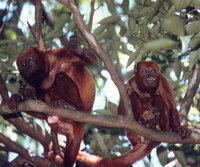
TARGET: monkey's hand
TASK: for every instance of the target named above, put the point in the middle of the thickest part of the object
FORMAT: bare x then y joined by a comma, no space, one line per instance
150,117
13,101
27,92
183,131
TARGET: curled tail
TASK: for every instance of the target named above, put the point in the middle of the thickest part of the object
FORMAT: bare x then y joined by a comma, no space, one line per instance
125,160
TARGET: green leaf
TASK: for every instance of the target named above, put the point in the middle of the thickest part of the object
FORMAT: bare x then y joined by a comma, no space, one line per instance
180,4
9,41
195,3
162,155
195,41
194,57
125,5
136,41
110,19
192,27
10,34
131,24
173,24
125,50
112,107
144,31
111,6
123,28
177,69
164,43
115,48
144,2
181,157
53,34
12,86
71,26
61,21
133,57
175,55
110,32
100,29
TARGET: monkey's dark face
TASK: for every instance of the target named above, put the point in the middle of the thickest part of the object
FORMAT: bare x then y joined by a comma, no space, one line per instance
148,76
32,66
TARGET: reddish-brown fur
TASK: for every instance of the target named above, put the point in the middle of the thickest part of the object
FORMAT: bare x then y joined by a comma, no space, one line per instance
153,105
60,78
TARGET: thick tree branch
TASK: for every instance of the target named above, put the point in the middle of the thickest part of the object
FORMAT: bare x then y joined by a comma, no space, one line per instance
102,54
24,153
108,121
189,96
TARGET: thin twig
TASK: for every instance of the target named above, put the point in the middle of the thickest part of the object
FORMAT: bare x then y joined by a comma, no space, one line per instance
37,32
7,10
91,15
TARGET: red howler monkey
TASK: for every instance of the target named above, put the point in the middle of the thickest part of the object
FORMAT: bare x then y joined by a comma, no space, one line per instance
59,77
152,105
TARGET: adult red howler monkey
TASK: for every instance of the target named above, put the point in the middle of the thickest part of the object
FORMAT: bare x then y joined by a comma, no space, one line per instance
153,105
59,78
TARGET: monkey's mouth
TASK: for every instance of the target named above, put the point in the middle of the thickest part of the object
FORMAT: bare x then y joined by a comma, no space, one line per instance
151,80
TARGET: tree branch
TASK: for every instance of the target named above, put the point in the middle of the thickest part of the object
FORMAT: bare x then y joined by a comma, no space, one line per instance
3,91
6,11
24,153
91,15
37,33
189,96
32,129
108,121
102,54
24,124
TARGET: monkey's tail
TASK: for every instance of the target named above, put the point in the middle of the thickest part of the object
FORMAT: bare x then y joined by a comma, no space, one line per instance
125,160
73,144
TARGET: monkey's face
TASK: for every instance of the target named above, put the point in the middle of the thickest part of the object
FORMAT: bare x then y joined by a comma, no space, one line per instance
31,65
148,76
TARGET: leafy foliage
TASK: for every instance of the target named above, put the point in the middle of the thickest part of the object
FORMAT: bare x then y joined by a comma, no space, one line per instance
134,29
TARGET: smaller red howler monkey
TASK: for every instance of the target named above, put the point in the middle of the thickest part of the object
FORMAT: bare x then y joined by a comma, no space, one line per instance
152,105
60,78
